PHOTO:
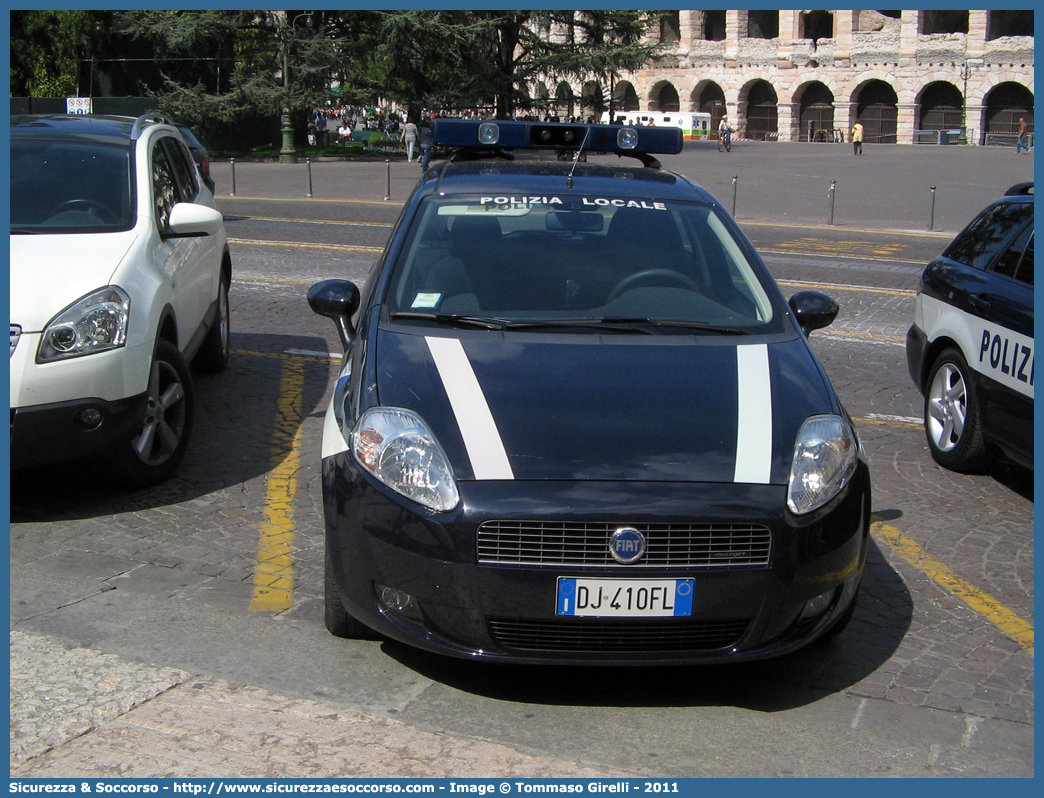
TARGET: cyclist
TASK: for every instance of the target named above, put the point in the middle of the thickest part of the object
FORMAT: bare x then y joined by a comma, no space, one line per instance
725,134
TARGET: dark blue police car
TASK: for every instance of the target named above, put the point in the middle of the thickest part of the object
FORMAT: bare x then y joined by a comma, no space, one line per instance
970,348
577,421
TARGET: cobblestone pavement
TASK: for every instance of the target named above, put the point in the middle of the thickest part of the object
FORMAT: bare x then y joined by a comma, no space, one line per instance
134,651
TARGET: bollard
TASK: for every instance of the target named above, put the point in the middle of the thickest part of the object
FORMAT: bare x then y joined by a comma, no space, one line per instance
308,165
387,181
830,196
931,211
232,163
734,179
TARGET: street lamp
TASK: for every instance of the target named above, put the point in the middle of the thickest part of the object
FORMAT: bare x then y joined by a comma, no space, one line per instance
286,32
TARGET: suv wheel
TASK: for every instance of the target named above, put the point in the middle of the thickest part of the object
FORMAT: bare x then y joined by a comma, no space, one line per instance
213,354
155,451
952,416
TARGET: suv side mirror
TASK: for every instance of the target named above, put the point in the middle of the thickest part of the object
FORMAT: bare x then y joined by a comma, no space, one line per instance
813,310
189,220
338,300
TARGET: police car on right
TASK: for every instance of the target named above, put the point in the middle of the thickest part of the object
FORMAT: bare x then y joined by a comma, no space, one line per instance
970,348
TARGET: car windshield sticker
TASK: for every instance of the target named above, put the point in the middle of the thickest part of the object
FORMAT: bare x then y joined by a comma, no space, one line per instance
426,301
588,202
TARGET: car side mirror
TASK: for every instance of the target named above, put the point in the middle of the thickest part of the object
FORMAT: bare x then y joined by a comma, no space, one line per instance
813,310
189,220
338,300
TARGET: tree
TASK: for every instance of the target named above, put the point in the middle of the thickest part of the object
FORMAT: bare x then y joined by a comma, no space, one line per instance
46,47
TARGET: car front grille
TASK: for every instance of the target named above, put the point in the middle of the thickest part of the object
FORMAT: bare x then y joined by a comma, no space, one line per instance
16,333
600,636
704,545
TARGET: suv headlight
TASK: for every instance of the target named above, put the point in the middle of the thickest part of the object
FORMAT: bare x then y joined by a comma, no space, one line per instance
96,323
825,456
396,446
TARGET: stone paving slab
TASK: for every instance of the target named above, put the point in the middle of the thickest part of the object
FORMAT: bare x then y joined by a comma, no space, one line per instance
96,715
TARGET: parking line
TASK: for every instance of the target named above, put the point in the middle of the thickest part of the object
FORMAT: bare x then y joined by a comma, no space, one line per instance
303,245
1006,620
274,575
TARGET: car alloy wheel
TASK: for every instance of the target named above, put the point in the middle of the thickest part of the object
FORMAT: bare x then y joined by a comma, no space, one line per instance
952,417
154,452
214,353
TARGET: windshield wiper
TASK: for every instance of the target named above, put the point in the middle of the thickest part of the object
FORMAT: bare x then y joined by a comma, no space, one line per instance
456,319
626,324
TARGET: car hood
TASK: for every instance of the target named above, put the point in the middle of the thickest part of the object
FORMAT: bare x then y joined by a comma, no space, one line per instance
50,272
509,405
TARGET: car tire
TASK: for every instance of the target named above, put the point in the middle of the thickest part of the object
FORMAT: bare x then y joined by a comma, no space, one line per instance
338,621
154,452
843,619
953,416
214,353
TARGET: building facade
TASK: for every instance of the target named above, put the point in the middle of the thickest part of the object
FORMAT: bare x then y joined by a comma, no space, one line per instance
908,76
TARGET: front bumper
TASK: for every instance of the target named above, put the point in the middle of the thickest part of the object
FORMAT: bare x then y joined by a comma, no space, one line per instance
376,539
68,431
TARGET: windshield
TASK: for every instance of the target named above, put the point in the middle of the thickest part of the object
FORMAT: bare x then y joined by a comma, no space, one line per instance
70,187
523,260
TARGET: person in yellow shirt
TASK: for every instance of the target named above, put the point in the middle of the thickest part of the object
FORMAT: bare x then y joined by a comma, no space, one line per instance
857,138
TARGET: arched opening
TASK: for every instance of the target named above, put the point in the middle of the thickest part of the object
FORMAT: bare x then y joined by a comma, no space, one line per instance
816,113
592,98
942,107
712,101
761,111
664,98
565,101
625,98
877,108
1005,105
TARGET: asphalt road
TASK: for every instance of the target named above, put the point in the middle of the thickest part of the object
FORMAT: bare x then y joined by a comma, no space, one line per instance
933,678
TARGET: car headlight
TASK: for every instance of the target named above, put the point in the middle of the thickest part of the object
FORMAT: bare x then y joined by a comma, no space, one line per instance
396,446
96,323
825,456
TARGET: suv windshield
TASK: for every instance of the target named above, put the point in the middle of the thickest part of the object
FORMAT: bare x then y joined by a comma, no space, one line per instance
523,261
70,187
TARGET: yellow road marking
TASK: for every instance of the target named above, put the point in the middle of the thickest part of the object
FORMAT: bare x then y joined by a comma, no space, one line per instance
909,233
312,199
274,576
295,220
305,246
996,613
854,248
838,287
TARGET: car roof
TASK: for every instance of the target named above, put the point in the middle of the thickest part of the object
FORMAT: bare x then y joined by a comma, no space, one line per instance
84,127
542,177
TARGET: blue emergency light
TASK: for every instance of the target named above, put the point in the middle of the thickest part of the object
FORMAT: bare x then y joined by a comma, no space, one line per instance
510,135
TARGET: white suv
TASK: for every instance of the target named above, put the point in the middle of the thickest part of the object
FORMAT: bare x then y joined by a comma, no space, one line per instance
119,278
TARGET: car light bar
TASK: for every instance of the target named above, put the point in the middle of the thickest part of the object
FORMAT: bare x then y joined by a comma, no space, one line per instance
510,135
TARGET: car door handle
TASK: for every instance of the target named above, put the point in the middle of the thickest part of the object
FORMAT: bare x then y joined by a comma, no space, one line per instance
978,301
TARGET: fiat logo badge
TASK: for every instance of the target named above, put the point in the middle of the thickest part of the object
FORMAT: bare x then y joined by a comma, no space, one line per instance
627,545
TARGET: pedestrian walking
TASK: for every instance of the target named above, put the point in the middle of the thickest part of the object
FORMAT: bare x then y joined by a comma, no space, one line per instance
410,135
857,138
1020,142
